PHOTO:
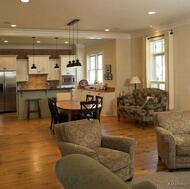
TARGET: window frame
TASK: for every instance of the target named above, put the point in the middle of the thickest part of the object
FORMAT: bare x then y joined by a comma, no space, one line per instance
96,69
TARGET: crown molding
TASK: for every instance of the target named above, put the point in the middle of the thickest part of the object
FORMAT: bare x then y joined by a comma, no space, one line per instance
60,33
161,29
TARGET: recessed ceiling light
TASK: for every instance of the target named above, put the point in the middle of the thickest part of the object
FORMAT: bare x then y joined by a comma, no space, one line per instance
150,26
107,30
66,42
5,41
152,12
13,25
38,41
25,1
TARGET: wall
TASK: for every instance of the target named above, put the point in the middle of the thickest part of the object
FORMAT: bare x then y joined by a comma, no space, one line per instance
109,53
181,65
123,65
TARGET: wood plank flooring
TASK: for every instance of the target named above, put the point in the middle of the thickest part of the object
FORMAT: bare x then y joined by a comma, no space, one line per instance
28,150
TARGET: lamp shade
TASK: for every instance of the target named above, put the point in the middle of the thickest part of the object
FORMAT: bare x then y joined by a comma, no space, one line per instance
135,80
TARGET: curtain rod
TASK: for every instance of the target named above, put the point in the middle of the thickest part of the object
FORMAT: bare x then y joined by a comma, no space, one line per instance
155,36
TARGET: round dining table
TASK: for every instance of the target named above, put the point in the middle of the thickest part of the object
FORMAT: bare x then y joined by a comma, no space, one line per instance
70,107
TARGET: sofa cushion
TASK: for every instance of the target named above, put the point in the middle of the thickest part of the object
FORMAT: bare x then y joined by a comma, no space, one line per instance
112,159
82,132
182,144
175,122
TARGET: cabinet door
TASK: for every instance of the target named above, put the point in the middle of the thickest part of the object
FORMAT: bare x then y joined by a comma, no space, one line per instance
54,73
8,63
22,70
41,62
81,95
64,69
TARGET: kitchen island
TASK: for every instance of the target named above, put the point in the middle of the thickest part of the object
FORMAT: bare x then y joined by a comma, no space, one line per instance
43,94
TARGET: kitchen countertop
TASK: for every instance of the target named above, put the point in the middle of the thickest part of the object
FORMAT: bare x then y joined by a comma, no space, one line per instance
108,90
45,89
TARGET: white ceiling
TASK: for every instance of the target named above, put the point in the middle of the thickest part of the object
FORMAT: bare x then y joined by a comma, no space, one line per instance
49,18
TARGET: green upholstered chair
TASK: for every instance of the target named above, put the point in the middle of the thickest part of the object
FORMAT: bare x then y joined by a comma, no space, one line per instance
85,137
78,171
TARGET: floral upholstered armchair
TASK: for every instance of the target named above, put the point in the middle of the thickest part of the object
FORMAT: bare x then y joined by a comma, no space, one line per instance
173,138
142,104
116,153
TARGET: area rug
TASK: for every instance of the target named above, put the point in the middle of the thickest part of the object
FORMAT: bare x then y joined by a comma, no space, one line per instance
179,179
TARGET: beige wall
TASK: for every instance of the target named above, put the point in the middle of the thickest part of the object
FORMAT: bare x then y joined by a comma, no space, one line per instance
182,67
109,54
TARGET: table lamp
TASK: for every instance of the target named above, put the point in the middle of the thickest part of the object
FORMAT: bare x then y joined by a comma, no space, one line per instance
135,80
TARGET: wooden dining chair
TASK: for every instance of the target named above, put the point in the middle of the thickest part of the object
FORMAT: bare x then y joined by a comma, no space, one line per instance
88,109
89,97
50,105
59,117
99,99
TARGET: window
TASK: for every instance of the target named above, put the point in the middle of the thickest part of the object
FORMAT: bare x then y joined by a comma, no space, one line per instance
95,68
156,64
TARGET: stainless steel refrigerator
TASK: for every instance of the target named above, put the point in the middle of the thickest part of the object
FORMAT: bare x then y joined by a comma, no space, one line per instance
7,91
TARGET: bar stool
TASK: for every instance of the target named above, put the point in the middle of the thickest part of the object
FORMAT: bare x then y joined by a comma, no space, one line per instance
35,101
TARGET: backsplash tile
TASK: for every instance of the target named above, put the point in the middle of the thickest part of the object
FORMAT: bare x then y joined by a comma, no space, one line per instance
37,82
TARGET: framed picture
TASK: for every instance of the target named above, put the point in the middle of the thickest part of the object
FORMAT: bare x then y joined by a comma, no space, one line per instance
108,76
108,68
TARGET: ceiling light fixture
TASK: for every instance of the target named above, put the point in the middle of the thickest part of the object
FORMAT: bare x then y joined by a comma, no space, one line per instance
74,63
33,65
56,64
25,1
152,12
107,30
13,25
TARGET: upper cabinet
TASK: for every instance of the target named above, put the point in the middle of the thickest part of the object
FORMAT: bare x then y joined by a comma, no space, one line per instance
22,70
8,62
64,69
41,62
54,73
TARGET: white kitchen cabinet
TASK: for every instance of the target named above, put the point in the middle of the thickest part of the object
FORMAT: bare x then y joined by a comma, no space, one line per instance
64,62
8,62
54,73
41,62
108,100
22,70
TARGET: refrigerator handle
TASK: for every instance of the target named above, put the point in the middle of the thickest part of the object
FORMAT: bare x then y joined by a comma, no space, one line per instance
1,88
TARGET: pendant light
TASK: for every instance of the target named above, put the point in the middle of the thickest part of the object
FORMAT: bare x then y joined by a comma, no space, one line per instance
74,63
33,65
69,63
56,65
77,63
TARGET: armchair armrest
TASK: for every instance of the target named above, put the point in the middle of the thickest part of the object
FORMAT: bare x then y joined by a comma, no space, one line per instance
70,148
125,144
166,146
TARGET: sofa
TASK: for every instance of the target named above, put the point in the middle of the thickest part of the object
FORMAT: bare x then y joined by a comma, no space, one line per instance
173,138
78,171
85,137
142,104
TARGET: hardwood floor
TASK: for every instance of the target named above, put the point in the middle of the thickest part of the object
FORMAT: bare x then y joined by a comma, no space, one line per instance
28,150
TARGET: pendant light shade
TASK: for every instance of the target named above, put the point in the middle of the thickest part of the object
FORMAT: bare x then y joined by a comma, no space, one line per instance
69,64
33,65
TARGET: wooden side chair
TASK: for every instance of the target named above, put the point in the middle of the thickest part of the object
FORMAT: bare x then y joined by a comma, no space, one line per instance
89,97
51,112
99,99
59,117
88,109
